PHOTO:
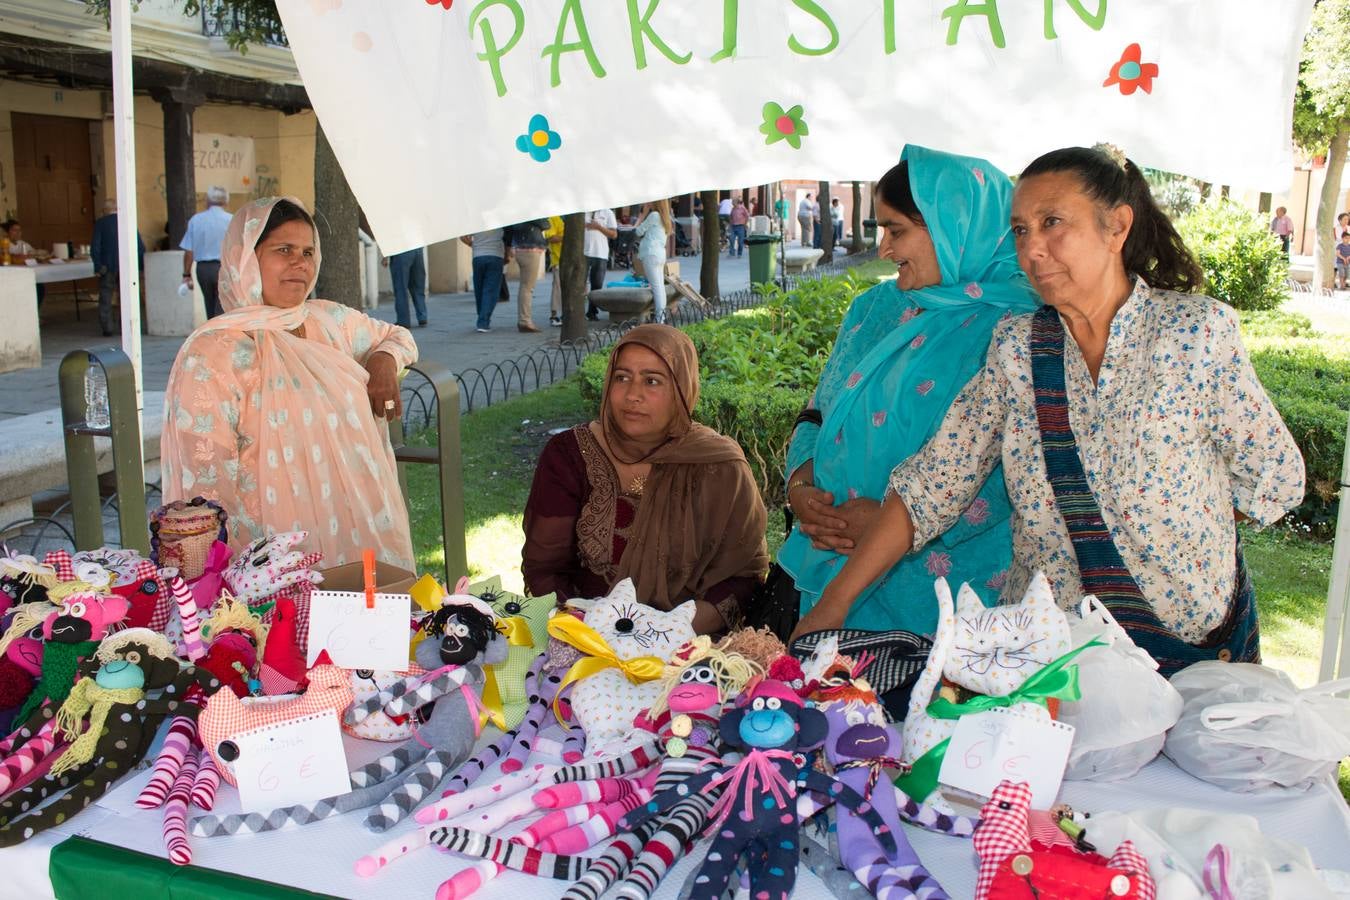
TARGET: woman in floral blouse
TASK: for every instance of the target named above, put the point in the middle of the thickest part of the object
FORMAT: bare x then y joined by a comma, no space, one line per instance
1129,450
277,408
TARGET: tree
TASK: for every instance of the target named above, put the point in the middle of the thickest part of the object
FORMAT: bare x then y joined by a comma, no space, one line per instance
1322,116
859,244
712,246
826,223
572,271
244,22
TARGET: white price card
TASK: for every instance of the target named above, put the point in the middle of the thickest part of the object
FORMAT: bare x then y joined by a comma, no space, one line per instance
290,763
1004,744
357,637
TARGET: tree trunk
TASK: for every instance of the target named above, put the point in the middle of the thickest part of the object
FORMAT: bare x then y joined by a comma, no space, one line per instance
826,223
1325,245
712,245
572,269
336,218
859,242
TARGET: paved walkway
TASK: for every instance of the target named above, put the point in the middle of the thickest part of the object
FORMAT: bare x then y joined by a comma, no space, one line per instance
449,337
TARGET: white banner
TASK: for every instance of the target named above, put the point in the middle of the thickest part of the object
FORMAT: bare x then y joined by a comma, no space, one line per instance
449,116
226,160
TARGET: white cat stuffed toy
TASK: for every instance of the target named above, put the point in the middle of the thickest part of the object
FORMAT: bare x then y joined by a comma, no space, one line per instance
988,650
606,703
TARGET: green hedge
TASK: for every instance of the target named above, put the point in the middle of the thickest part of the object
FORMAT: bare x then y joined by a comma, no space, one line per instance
760,366
1243,263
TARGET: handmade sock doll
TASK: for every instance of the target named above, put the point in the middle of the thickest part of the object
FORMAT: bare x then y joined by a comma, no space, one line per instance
861,746
756,816
506,682
271,568
462,638
71,633
1012,867
110,723
987,650
23,579
235,638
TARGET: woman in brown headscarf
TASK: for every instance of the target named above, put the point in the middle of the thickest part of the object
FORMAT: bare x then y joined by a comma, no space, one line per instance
647,493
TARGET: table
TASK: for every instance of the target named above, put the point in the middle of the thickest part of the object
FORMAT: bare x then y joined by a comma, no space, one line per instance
72,270
319,857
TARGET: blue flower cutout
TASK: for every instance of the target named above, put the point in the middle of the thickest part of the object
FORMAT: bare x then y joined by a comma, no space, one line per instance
539,141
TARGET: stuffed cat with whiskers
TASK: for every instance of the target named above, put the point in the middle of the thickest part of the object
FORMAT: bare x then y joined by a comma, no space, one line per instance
984,650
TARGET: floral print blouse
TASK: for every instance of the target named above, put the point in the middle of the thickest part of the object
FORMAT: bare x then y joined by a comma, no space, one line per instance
1175,434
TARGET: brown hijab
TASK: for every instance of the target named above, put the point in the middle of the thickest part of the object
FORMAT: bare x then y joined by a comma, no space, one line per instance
701,519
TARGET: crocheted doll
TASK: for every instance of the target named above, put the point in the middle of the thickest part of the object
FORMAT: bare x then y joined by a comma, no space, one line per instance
761,790
109,721
1015,865
462,638
985,650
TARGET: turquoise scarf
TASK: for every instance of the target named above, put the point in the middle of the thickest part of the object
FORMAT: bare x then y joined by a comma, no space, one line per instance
892,375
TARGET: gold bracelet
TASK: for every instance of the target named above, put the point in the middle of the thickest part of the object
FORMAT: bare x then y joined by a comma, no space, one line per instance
800,482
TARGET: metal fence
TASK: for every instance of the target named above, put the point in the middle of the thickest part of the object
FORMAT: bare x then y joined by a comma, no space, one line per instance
541,367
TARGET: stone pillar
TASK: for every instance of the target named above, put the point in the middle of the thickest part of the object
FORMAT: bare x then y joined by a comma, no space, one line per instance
180,183
20,345
168,313
449,267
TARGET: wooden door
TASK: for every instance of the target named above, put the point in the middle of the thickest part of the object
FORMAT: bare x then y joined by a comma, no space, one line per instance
52,172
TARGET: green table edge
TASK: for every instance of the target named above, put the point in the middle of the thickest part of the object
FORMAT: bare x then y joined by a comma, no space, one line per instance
83,869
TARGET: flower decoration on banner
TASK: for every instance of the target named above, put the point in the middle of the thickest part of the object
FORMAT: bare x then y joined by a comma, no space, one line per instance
539,140
445,3
783,126
1131,73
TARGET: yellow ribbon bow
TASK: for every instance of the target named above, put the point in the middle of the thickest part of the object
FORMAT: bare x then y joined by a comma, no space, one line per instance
599,656
516,631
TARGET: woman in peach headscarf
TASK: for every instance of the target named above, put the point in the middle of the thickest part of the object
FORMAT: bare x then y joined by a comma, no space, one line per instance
277,408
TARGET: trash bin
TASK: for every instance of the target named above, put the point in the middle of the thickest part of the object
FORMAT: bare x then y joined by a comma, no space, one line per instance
870,231
763,257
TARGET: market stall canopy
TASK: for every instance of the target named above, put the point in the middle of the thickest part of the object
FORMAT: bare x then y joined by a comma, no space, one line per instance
450,116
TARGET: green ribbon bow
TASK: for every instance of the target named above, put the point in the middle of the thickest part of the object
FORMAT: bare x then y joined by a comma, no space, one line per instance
1058,680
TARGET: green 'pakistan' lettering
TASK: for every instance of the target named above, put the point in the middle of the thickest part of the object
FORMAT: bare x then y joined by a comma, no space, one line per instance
812,8
641,28
492,53
730,20
962,8
572,9
1094,22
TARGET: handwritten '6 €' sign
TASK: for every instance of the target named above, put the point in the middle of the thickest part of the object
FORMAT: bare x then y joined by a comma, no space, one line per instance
294,762
358,637
1003,744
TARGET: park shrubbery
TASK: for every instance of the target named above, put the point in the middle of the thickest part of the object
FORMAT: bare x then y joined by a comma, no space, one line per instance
760,366
1241,258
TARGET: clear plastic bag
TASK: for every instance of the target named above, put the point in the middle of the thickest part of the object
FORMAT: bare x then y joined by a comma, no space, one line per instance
1127,706
1246,727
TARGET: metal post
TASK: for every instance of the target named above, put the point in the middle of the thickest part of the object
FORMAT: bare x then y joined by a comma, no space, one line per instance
1336,638
124,143
82,455
448,459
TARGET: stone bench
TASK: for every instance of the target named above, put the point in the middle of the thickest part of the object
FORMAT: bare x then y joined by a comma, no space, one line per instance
33,455
799,259
623,303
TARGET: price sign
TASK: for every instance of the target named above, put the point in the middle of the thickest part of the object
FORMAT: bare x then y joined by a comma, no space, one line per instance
357,636
294,762
1004,744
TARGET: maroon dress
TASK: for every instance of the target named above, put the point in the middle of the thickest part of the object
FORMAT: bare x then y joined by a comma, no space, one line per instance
578,521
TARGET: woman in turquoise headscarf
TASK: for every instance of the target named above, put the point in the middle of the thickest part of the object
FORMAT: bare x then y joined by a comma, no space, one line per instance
906,348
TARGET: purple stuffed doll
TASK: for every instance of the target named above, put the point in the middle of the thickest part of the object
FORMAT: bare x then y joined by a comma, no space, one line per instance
860,745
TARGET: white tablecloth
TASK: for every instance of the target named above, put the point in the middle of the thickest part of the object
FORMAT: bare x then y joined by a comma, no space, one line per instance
320,857
74,270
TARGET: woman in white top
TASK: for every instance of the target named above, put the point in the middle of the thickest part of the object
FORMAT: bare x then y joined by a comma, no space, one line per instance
652,230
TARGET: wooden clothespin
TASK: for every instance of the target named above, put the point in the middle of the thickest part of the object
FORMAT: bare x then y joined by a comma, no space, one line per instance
368,571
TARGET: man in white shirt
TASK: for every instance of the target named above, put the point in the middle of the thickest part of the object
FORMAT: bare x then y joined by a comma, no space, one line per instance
806,214
202,240
601,228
